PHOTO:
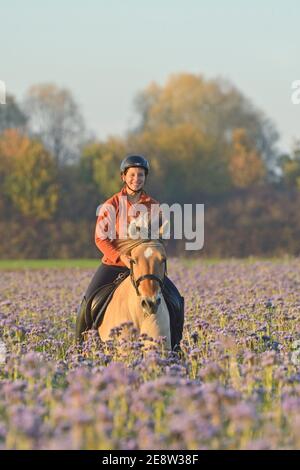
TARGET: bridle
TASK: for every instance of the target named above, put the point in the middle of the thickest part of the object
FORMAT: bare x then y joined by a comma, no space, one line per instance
137,282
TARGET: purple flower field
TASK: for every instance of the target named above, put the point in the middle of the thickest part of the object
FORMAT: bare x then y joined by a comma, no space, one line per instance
236,386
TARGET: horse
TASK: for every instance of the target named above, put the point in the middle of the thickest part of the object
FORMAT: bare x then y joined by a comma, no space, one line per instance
138,299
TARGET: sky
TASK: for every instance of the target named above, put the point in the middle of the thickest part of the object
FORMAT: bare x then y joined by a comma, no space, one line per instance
105,52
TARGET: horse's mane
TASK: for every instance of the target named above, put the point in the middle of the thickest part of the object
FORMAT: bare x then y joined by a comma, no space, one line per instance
126,245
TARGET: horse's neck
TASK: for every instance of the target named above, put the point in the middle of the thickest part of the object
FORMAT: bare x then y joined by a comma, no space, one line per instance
153,325
134,304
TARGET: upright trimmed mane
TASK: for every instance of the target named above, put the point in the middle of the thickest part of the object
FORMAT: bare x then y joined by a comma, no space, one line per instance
126,245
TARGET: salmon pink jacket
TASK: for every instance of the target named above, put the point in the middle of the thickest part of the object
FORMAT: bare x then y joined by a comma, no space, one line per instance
106,245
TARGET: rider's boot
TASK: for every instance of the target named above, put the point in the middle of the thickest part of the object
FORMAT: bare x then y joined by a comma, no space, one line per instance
176,312
81,325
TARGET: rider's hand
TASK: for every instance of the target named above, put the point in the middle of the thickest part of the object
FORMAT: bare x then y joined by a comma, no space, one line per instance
126,260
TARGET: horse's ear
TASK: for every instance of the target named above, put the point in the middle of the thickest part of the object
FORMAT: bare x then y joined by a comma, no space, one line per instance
164,230
159,228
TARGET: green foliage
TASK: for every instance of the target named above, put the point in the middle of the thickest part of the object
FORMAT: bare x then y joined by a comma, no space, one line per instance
11,116
101,161
291,167
183,162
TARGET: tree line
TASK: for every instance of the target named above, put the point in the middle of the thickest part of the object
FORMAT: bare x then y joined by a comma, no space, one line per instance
206,143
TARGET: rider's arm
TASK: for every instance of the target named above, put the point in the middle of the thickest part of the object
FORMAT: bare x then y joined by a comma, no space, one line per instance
105,231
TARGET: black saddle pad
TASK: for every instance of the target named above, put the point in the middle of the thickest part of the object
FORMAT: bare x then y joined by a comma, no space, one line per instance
99,300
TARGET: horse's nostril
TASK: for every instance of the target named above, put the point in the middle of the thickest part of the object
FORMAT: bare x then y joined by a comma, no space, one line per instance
150,304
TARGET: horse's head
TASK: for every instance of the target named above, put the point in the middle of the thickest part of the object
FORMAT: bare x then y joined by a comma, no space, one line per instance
148,261
148,270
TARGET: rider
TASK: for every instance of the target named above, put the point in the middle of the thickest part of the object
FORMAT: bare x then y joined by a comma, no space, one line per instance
134,170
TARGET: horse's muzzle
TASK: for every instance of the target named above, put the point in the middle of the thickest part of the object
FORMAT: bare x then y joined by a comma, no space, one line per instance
150,306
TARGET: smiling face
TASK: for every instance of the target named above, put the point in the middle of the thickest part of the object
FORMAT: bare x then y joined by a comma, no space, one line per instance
135,178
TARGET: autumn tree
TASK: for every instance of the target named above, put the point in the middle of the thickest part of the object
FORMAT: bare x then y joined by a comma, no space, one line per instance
183,162
214,107
246,167
30,179
100,162
54,118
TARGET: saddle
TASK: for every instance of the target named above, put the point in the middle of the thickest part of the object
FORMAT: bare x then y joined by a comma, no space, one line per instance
99,300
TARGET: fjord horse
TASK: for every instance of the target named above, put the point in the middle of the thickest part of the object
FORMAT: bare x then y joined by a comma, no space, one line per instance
138,299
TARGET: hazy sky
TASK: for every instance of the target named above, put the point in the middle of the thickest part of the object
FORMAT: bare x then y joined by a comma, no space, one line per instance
107,51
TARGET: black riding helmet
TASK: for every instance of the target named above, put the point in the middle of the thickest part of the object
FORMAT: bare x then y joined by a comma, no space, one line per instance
134,161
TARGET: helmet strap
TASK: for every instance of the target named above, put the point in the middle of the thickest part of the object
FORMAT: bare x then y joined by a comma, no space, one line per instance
134,190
